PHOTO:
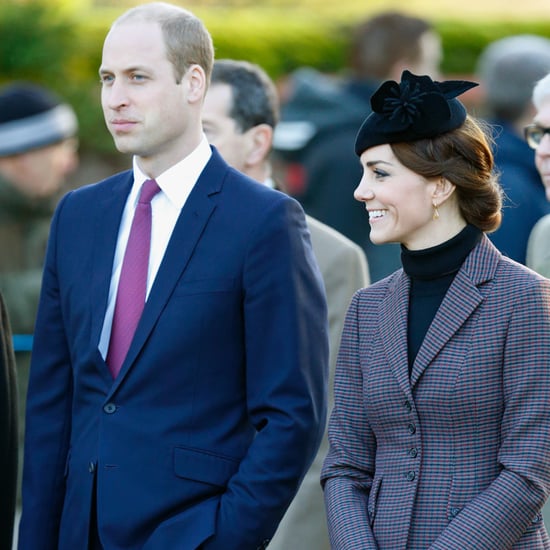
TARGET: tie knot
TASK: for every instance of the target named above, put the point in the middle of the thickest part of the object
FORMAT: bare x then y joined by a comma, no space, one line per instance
148,190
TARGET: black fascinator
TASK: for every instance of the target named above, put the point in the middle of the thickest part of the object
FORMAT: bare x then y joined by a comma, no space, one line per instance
416,108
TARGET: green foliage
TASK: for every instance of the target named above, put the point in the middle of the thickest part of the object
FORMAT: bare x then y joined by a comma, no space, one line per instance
33,37
463,41
59,44
278,43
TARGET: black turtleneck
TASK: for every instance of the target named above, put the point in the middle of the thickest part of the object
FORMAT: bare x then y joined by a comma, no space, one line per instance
431,272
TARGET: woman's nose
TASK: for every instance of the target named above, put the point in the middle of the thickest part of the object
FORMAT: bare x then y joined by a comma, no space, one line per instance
363,191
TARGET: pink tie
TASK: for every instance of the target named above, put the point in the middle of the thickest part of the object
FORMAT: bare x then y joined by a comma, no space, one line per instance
132,286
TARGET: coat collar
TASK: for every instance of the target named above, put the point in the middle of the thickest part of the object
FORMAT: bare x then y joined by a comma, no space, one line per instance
465,294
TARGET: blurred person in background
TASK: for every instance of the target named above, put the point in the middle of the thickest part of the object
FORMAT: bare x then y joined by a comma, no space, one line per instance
240,113
321,117
8,431
508,69
38,150
537,135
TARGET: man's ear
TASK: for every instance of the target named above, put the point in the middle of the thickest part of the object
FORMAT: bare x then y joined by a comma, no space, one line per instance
259,142
195,78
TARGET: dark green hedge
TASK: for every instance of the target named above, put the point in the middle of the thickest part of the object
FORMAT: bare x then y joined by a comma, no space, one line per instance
64,51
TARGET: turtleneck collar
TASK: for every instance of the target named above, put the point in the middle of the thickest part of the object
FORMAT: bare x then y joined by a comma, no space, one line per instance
443,259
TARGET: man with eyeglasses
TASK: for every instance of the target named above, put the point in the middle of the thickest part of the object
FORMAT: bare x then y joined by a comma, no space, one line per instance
508,68
538,138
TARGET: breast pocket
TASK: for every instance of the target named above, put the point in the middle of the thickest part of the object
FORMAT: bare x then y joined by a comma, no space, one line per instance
205,286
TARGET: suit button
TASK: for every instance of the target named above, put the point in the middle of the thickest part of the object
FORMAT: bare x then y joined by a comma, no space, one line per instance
411,475
109,408
412,428
413,453
91,467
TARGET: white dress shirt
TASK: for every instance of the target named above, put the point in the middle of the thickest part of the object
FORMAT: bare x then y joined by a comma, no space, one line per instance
176,184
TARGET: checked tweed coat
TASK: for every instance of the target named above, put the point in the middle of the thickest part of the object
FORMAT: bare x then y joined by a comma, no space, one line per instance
456,456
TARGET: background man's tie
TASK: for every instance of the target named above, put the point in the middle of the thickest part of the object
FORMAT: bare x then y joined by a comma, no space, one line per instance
132,286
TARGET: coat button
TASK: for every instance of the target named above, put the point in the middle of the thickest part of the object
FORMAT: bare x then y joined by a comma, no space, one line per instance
109,408
91,467
413,453
412,428
411,475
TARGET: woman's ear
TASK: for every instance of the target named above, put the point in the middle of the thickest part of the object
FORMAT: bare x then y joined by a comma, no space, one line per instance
442,191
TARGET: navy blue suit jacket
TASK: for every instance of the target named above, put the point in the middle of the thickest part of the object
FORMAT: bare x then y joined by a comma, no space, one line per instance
203,438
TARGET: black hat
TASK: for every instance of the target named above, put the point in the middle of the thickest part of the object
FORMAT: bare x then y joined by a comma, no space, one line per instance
416,108
32,117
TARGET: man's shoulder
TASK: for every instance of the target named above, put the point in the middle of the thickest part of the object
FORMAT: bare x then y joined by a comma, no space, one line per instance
97,186
541,230
329,236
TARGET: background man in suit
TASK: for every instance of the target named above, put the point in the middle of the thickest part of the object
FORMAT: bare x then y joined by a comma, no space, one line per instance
199,434
538,138
508,69
239,115
321,117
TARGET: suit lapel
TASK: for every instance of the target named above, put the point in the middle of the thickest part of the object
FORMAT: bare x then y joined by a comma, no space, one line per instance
462,299
189,227
107,223
393,329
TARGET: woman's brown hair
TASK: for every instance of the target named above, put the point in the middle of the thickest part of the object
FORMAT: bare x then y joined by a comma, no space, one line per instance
462,156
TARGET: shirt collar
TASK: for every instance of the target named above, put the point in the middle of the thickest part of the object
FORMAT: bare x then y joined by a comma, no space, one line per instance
178,181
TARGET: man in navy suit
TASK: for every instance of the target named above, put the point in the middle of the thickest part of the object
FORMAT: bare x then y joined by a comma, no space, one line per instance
202,437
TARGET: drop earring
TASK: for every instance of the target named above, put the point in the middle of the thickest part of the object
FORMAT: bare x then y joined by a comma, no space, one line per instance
436,211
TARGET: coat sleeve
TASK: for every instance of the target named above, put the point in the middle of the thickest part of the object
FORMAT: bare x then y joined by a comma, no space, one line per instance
348,470
286,345
48,423
500,515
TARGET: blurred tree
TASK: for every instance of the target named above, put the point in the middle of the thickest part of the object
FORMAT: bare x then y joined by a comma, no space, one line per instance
34,35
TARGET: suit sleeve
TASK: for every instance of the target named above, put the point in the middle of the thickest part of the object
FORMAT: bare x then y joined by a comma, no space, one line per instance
48,423
349,467
511,504
286,345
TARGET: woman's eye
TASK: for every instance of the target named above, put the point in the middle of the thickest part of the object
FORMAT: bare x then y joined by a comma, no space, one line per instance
378,174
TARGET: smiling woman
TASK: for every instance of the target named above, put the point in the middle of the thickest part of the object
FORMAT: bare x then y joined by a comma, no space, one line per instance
440,361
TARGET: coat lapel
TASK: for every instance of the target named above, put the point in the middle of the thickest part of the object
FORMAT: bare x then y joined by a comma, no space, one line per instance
393,328
189,227
462,299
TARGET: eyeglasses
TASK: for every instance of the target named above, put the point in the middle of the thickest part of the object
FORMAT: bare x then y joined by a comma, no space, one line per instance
534,134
